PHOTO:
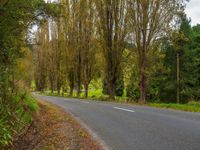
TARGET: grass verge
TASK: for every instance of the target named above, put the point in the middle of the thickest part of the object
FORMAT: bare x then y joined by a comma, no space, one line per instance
190,107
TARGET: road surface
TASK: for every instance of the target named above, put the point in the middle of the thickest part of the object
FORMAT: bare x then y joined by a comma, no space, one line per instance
125,127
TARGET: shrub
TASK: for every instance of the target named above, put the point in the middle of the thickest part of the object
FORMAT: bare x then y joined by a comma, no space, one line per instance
118,86
132,92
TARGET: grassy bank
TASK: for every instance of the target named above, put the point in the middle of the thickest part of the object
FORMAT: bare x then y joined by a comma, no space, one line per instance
15,115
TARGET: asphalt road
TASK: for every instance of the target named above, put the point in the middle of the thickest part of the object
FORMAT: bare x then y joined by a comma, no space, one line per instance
124,127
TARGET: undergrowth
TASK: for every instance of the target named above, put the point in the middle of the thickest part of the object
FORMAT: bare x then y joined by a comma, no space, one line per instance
15,114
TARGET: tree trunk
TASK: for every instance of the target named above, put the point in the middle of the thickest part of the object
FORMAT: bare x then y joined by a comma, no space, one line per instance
78,87
64,90
142,72
71,91
79,74
52,90
71,82
178,78
111,90
52,86
86,90
78,90
71,86
58,91
58,87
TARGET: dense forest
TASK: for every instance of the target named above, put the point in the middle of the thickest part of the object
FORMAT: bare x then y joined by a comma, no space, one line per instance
141,50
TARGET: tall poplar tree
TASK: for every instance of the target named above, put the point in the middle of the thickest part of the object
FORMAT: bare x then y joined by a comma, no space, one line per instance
149,21
113,30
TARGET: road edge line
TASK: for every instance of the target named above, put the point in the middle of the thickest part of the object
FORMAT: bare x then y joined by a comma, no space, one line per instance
91,132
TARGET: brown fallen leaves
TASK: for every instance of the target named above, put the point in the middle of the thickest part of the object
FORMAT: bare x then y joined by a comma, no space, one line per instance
54,129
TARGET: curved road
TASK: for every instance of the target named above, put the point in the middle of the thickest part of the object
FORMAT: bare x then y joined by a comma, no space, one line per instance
125,127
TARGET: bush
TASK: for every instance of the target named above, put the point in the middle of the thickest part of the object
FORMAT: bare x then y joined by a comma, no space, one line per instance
105,87
132,92
132,89
118,87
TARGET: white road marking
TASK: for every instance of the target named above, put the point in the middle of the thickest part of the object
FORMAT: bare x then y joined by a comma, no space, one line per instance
124,109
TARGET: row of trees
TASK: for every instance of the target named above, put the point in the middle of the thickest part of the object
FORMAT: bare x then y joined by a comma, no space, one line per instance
66,50
116,41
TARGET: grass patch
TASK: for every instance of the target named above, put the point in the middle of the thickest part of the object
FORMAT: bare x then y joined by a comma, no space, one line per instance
92,95
191,106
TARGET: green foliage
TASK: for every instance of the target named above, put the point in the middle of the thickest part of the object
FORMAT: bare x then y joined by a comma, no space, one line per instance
105,87
154,90
118,86
16,18
163,86
132,89
15,115
16,106
95,93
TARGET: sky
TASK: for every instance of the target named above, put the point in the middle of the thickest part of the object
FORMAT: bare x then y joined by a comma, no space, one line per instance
193,11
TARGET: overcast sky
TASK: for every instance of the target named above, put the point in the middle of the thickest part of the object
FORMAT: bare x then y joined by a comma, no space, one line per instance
193,11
